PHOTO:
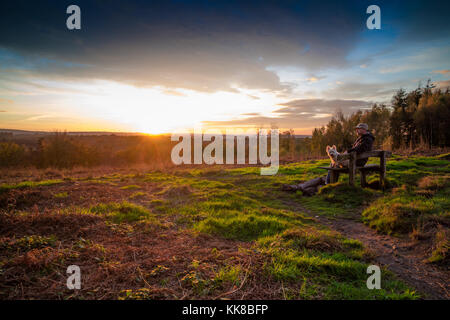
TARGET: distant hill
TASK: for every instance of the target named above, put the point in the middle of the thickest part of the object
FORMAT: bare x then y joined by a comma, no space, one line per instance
301,136
16,132
74,133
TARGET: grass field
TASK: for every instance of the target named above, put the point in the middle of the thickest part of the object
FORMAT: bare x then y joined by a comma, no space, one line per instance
215,232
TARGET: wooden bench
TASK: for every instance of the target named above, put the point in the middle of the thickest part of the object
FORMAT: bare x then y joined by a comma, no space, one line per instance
352,168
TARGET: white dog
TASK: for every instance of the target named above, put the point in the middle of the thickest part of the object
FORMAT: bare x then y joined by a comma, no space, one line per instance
332,153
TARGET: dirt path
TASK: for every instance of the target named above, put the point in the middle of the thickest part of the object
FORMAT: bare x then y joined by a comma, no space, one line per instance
399,255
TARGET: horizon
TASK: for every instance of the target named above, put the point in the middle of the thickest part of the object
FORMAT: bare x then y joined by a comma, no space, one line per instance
174,66
20,131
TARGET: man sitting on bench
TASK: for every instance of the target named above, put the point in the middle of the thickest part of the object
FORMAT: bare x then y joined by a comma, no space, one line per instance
362,144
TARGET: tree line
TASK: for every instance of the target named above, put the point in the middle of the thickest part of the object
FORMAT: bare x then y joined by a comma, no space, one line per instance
416,119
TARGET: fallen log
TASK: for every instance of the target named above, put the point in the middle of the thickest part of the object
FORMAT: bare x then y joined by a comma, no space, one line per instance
311,183
309,187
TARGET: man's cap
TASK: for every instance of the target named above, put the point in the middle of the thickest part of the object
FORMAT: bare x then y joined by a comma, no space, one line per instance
362,126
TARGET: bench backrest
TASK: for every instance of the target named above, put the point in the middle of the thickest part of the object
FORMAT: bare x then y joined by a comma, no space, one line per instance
364,155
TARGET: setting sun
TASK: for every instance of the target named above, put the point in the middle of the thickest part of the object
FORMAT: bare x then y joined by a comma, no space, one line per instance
158,110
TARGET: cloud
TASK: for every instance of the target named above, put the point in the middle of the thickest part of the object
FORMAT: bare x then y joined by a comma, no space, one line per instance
363,91
320,106
201,46
251,114
442,71
174,93
314,79
443,84
419,59
297,114
5,103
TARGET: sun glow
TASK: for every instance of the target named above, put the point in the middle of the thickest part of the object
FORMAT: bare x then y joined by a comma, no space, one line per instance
156,110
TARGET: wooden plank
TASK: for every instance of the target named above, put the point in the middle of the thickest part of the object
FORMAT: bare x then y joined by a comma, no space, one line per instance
335,169
374,154
364,155
369,154
369,167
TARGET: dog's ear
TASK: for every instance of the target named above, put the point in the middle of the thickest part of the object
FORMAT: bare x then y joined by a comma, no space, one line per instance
334,147
328,148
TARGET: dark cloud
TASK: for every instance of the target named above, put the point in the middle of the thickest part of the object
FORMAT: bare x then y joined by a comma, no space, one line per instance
205,46
201,45
417,21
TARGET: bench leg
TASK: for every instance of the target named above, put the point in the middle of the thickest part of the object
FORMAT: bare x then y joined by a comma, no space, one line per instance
383,171
334,176
363,178
382,181
352,169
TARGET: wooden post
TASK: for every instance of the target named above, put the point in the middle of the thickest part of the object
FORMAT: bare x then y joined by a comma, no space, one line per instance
352,168
383,170
332,176
363,178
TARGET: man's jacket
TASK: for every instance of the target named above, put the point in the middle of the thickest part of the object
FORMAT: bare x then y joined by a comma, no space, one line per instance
362,144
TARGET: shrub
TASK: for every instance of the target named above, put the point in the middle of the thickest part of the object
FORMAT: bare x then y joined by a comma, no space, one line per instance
12,154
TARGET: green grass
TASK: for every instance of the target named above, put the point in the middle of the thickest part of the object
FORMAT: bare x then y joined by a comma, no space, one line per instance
130,187
29,184
240,204
29,242
310,260
137,195
228,275
339,198
122,212
61,195
246,227
441,250
335,276
405,208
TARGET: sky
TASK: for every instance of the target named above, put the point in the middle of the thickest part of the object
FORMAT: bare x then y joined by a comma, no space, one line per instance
165,66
